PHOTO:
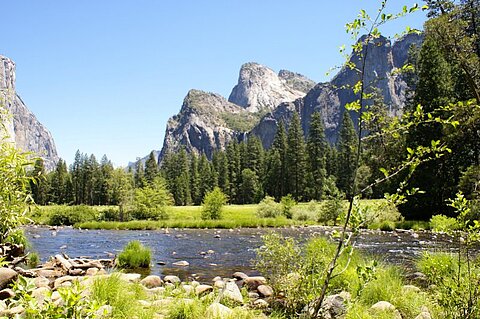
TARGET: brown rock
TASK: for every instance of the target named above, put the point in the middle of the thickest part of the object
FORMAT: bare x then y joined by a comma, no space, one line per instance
265,291
203,289
239,275
41,282
152,281
6,294
7,276
172,279
252,283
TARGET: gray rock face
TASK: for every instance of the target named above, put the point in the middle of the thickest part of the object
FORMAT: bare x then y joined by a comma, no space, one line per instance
206,122
261,89
330,98
23,127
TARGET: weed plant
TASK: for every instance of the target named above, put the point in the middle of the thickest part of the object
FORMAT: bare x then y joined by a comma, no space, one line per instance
134,255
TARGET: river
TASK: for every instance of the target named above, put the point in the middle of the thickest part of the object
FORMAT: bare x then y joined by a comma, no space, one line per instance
233,250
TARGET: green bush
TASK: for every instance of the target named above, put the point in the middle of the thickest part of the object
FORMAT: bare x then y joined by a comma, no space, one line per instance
442,223
110,214
213,203
71,215
150,202
330,210
288,202
268,208
134,255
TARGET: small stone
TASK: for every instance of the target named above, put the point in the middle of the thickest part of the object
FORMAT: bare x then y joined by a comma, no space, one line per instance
210,252
56,295
6,294
92,271
383,306
265,291
155,291
194,283
76,272
101,272
217,310
182,263
59,282
63,247
152,281
216,236
41,282
161,263
217,278
169,285
172,279
12,312
260,304
203,289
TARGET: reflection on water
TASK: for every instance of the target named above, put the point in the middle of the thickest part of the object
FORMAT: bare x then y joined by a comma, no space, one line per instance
213,252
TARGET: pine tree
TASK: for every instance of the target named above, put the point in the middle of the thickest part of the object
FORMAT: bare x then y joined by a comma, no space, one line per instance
151,168
106,171
194,180
296,158
139,177
220,163
347,151
234,172
181,191
274,183
207,174
39,185
316,149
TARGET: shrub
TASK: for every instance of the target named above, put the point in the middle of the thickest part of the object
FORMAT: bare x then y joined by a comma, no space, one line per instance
213,203
268,208
33,259
150,202
288,202
330,210
110,214
71,215
442,223
134,255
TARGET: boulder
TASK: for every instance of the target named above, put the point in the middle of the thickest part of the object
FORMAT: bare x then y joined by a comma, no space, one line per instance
172,279
188,289
424,315
130,277
152,281
7,276
239,275
265,291
232,292
334,306
40,294
92,271
203,289
383,306
41,282
217,310
411,288
219,284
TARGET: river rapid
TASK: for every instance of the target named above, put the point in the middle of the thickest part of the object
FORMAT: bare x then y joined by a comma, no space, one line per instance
214,252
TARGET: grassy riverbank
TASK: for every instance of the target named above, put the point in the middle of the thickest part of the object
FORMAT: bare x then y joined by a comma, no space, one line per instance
379,215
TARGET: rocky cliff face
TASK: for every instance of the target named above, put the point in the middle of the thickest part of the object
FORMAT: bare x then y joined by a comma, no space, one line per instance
22,127
206,122
261,89
330,98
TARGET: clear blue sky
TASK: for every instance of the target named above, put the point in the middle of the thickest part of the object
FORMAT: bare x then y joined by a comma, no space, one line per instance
105,75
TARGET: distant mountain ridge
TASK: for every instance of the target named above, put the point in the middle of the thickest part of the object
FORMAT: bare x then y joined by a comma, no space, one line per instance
23,128
263,98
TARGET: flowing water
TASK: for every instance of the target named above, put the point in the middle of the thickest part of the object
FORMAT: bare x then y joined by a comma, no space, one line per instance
213,252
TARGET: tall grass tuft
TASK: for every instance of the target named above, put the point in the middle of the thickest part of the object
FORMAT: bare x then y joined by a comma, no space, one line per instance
122,296
134,255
